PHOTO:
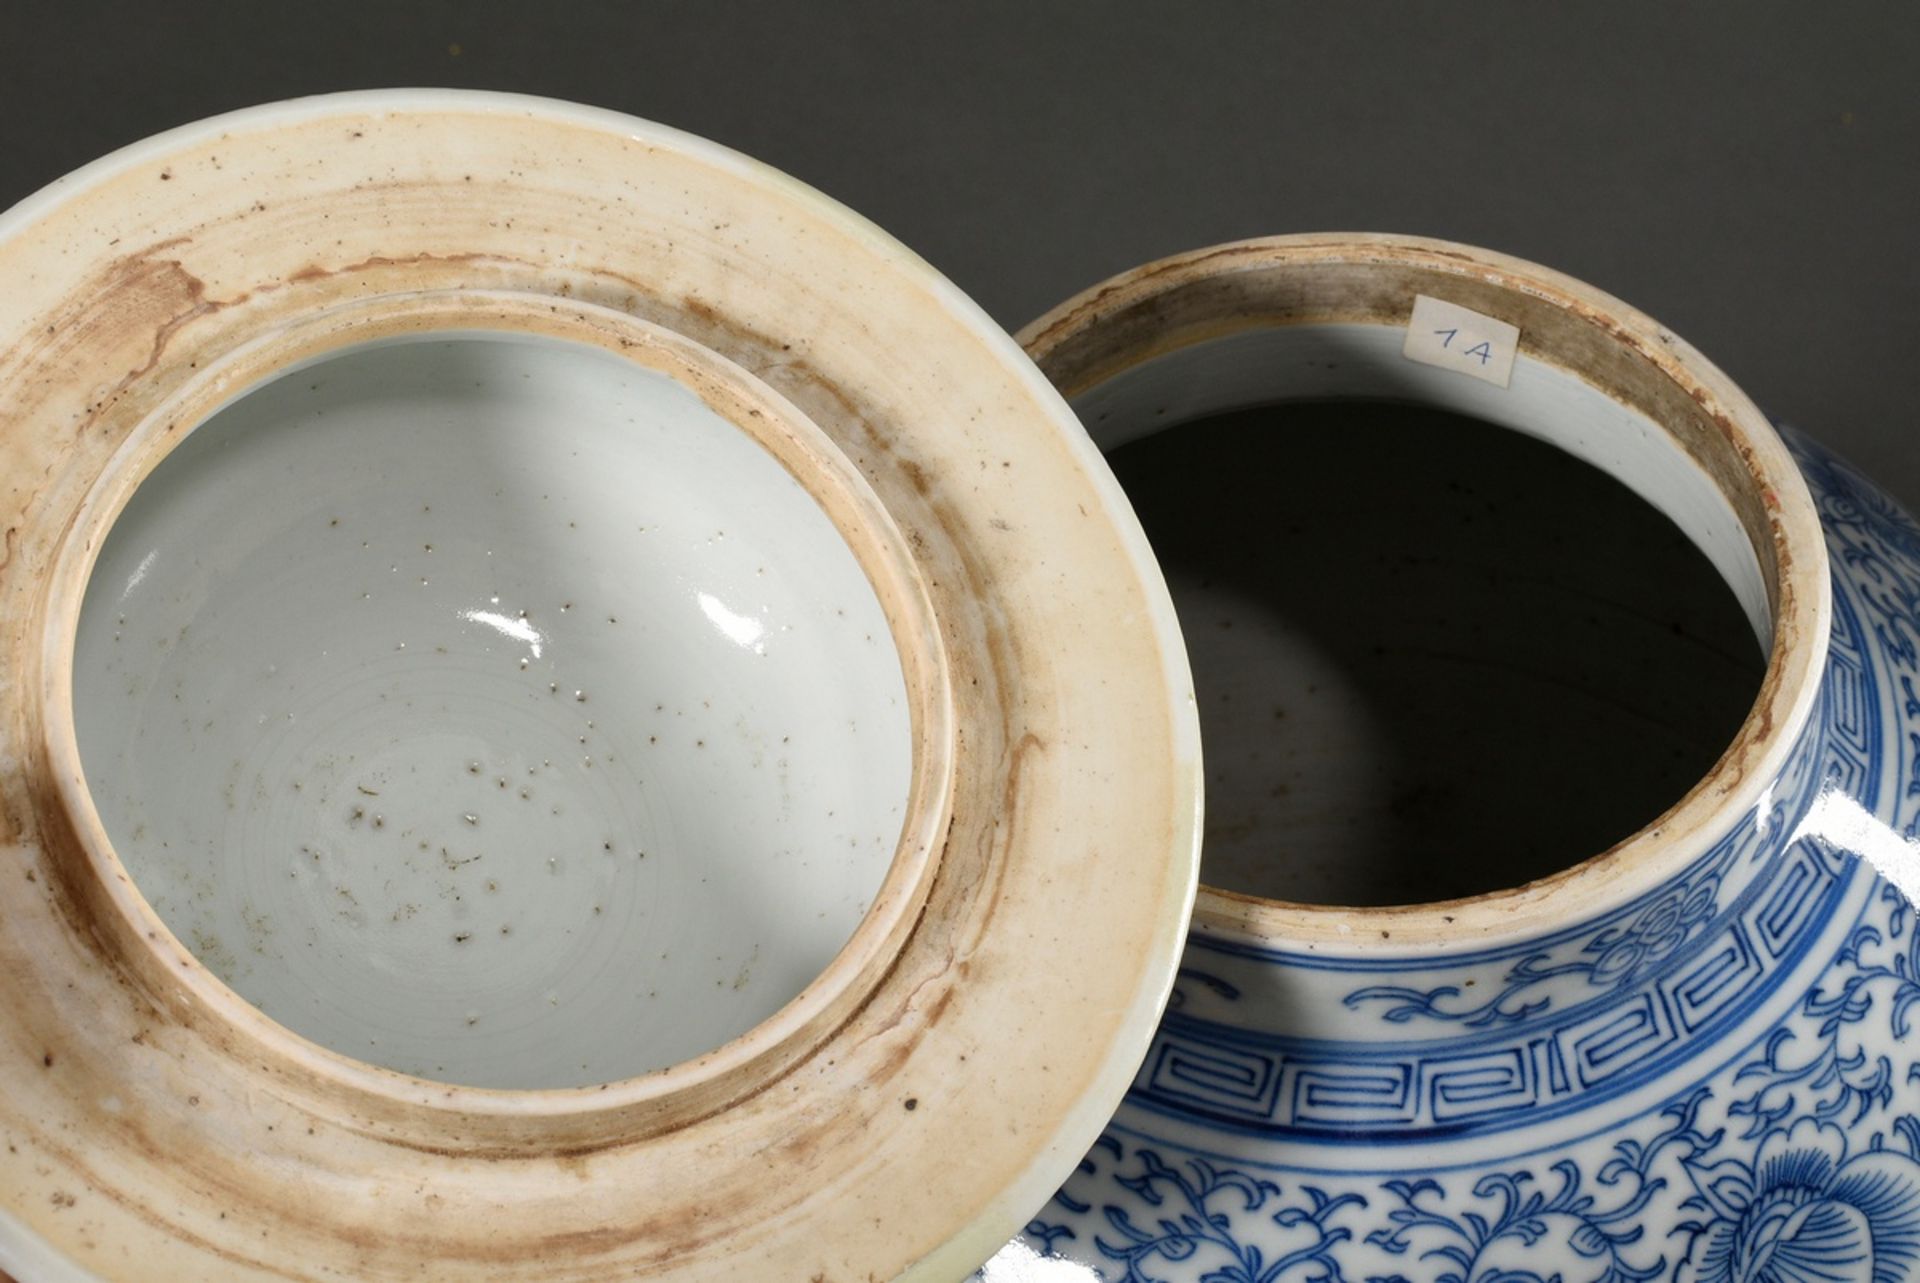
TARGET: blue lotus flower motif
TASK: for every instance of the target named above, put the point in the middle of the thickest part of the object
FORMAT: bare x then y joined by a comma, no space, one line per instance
1803,1212
1655,933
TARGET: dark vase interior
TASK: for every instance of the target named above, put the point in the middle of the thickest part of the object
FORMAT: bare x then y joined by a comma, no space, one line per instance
1434,657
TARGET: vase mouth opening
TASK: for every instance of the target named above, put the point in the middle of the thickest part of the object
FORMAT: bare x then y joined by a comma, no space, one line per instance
1351,317
504,706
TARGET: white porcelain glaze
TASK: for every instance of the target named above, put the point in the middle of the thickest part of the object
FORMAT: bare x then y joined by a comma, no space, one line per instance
1018,734
494,711
1332,360
1690,1057
1313,315
1341,797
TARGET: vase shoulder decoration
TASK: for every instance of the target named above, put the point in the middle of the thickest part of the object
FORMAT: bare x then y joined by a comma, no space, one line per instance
1691,1057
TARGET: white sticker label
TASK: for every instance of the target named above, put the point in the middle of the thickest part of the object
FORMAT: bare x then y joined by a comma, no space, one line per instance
1458,339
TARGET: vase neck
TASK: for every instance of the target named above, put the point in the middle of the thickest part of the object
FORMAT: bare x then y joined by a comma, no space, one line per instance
1319,317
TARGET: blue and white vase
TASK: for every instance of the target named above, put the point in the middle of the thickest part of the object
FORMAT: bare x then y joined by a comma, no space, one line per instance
1693,1057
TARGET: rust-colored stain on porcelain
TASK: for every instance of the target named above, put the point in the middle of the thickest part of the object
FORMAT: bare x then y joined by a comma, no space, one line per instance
1320,279
237,1151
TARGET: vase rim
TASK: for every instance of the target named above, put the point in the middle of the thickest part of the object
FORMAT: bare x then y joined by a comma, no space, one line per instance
1335,278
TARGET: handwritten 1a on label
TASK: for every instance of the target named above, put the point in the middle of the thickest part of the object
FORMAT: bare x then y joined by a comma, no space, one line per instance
1462,340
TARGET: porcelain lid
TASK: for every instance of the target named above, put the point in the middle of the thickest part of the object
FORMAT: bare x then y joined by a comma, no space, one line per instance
902,1117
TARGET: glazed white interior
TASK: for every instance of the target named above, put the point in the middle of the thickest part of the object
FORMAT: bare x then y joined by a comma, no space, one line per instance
200,1137
1324,317
492,709
1319,361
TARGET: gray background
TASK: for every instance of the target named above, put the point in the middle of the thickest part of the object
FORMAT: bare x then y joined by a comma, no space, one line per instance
1746,173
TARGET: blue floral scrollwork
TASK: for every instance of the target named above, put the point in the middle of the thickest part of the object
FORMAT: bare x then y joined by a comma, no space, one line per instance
1844,1069
1499,1239
1791,1156
1800,1211
1212,1224
1616,958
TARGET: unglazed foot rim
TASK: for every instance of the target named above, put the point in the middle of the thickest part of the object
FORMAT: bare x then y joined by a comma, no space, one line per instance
153,1118
1179,305
670,1096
